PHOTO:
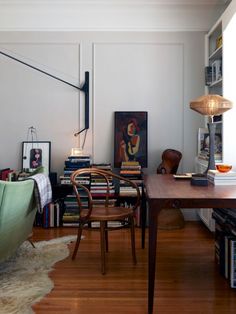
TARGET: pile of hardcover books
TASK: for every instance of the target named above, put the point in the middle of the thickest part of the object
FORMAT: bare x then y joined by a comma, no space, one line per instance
73,163
98,189
132,171
71,210
98,186
221,178
51,216
8,174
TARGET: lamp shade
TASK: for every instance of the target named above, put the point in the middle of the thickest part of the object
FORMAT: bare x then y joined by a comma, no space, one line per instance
211,105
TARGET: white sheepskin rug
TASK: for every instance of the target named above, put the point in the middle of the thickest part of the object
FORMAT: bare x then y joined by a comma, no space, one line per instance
24,277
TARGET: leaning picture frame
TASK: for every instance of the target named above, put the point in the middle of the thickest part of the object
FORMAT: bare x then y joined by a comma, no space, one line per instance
36,154
130,137
203,144
202,135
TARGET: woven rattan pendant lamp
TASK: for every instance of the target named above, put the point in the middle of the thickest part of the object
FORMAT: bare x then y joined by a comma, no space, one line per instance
211,105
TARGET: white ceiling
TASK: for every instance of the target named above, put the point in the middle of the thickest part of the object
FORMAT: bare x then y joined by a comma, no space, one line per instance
159,2
109,15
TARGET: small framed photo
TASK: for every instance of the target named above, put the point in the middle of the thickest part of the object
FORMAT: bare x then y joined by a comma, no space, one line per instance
130,137
203,144
202,147
36,154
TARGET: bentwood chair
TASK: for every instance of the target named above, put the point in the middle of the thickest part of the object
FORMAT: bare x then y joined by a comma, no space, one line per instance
103,212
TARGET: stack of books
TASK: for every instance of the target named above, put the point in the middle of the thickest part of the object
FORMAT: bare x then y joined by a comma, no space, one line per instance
51,216
71,210
73,163
132,171
7,174
221,178
98,187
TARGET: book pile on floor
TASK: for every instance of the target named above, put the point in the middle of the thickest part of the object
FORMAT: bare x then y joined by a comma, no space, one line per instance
131,170
221,178
98,186
98,189
50,218
225,243
71,210
73,163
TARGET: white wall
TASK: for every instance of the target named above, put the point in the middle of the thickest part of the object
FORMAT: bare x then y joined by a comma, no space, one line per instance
154,72
141,55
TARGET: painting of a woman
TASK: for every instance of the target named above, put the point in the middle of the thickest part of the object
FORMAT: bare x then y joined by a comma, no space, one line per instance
130,137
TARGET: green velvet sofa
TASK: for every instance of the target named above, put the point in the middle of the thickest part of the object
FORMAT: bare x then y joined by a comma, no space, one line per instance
17,213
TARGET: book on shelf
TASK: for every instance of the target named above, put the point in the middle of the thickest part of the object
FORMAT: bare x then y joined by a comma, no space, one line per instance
79,157
216,70
130,163
208,75
103,166
66,180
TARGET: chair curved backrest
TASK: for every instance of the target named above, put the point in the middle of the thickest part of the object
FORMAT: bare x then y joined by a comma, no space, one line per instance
170,161
104,174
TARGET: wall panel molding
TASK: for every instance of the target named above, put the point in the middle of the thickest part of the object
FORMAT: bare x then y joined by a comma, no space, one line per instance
155,81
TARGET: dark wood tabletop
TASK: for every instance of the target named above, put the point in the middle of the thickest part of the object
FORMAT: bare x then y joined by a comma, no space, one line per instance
164,191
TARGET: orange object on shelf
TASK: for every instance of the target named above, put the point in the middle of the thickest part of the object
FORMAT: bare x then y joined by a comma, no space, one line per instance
223,168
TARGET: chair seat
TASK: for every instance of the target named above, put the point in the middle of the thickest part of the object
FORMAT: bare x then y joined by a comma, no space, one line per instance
110,213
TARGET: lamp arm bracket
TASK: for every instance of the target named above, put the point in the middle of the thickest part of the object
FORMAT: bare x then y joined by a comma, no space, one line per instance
84,88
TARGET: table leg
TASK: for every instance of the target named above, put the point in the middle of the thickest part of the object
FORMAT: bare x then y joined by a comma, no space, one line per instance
153,214
143,217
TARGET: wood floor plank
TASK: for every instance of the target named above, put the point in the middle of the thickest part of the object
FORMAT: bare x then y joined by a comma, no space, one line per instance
187,277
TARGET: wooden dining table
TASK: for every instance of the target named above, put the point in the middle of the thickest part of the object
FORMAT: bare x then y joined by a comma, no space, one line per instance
164,191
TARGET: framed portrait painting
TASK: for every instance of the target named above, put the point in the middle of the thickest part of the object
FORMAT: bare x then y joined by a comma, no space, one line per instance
36,154
130,137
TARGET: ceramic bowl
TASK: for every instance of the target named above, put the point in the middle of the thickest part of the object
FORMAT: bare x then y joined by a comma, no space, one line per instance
223,168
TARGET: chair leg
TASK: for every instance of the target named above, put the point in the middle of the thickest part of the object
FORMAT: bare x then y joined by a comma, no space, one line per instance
132,232
80,229
106,236
103,239
30,241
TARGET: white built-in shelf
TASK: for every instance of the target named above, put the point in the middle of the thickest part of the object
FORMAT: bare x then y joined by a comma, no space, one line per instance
217,54
215,83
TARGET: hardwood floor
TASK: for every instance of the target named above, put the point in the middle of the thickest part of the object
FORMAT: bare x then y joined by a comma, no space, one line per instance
188,280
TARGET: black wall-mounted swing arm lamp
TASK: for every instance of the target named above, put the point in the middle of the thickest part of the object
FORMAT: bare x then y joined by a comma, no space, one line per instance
84,88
